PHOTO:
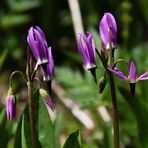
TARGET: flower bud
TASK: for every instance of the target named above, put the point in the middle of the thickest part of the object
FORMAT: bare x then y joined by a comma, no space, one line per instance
102,84
38,44
47,98
86,48
11,105
108,30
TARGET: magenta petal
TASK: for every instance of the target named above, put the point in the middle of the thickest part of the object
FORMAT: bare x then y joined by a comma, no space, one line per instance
82,50
42,47
86,48
11,107
118,73
108,22
41,32
143,77
48,69
132,72
38,44
50,104
32,43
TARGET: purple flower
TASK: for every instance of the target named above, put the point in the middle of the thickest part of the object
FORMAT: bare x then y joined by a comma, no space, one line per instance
38,44
132,78
47,98
86,48
11,107
108,27
48,69
50,103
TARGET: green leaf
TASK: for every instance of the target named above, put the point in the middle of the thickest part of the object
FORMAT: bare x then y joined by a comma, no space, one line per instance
3,57
43,125
72,141
17,141
57,130
22,6
25,132
3,131
14,20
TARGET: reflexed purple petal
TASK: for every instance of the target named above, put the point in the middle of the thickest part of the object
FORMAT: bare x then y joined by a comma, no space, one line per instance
11,108
41,32
42,48
82,51
48,69
108,22
91,51
87,50
143,77
32,43
118,73
37,42
132,72
50,103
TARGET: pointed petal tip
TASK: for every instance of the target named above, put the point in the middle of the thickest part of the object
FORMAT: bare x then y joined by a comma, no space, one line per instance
132,71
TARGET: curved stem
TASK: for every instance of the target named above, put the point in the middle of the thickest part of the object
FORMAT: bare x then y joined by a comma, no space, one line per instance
16,72
119,61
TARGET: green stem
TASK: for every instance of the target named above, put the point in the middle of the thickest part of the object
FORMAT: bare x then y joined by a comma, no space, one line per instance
113,95
31,116
115,112
114,103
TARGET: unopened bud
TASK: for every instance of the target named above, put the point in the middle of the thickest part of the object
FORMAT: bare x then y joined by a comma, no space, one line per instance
102,84
11,105
47,98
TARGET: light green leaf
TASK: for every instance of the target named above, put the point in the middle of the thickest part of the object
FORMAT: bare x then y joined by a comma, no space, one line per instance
14,20
73,141
3,57
22,6
25,132
43,123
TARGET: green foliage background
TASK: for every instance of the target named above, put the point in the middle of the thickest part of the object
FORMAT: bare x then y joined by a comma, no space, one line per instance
53,16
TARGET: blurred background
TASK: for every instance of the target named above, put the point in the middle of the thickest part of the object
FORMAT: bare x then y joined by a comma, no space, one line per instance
78,104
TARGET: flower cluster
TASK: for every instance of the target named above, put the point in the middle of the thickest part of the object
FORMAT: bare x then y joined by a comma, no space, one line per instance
108,34
42,53
43,57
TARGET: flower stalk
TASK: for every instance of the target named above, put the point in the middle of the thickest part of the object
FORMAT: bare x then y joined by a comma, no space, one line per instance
115,112
113,96
30,101
31,116
108,33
